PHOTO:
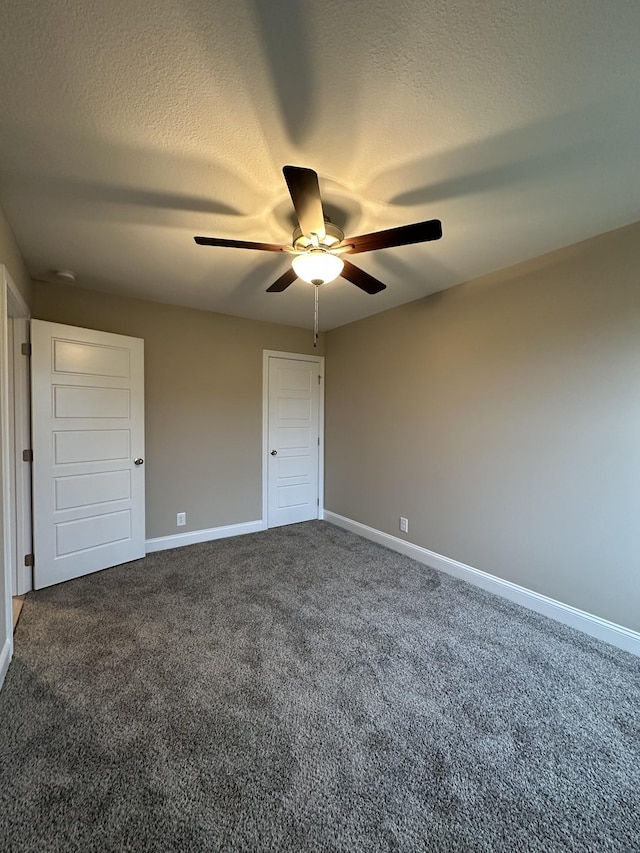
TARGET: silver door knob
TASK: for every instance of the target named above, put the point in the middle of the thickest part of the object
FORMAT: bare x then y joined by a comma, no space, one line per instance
138,461
274,452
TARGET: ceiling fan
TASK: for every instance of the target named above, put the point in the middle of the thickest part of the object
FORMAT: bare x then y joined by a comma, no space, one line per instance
318,244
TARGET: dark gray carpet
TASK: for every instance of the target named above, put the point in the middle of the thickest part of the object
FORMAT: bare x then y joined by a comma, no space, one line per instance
303,689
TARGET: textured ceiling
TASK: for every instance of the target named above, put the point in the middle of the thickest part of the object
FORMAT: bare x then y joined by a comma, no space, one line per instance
128,126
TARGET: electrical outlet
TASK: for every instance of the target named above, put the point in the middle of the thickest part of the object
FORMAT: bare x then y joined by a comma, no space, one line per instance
181,519
404,525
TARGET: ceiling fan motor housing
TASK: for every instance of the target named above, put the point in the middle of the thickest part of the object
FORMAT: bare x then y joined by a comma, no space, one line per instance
334,236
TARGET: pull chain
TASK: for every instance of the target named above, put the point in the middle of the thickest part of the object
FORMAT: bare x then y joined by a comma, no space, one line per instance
315,316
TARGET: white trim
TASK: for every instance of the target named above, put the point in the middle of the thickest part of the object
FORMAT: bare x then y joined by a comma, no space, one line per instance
23,575
16,306
178,540
5,487
319,360
5,659
19,407
602,629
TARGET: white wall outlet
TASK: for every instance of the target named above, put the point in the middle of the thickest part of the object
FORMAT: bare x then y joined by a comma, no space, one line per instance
404,525
181,519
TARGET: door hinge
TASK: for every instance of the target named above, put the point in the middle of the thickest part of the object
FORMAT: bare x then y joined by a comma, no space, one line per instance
27,455
29,560
25,349
319,379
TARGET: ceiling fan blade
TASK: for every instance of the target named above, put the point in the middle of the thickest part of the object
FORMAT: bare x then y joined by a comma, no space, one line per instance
240,244
361,278
283,282
419,232
304,190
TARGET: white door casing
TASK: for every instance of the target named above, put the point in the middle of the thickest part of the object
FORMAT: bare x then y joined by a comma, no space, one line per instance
21,434
15,507
88,430
293,438
13,462
6,625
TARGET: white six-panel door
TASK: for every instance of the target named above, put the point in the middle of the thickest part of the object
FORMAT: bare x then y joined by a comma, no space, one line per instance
293,475
88,450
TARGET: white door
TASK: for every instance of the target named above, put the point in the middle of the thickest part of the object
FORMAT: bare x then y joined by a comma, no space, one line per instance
87,392
293,444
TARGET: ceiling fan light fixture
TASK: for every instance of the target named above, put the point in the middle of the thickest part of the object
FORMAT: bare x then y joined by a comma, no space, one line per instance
317,266
317,241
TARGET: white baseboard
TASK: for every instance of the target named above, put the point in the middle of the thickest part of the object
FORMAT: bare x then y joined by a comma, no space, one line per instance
5,658
161,543
609,632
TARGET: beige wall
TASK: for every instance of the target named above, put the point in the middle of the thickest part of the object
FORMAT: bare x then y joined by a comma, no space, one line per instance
203,400
502,417
11,258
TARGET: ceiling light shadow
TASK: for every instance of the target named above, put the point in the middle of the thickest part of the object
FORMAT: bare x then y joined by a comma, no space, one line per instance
254,284
429,278
288,48
559,145
96,194
111,182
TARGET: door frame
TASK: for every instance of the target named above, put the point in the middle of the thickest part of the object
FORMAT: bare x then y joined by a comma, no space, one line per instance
21,505
316,359
12,306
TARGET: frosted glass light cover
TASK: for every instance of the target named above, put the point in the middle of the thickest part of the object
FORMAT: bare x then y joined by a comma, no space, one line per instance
317,266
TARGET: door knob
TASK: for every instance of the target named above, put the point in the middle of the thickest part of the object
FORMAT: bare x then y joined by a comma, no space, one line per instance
274,452
138,461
